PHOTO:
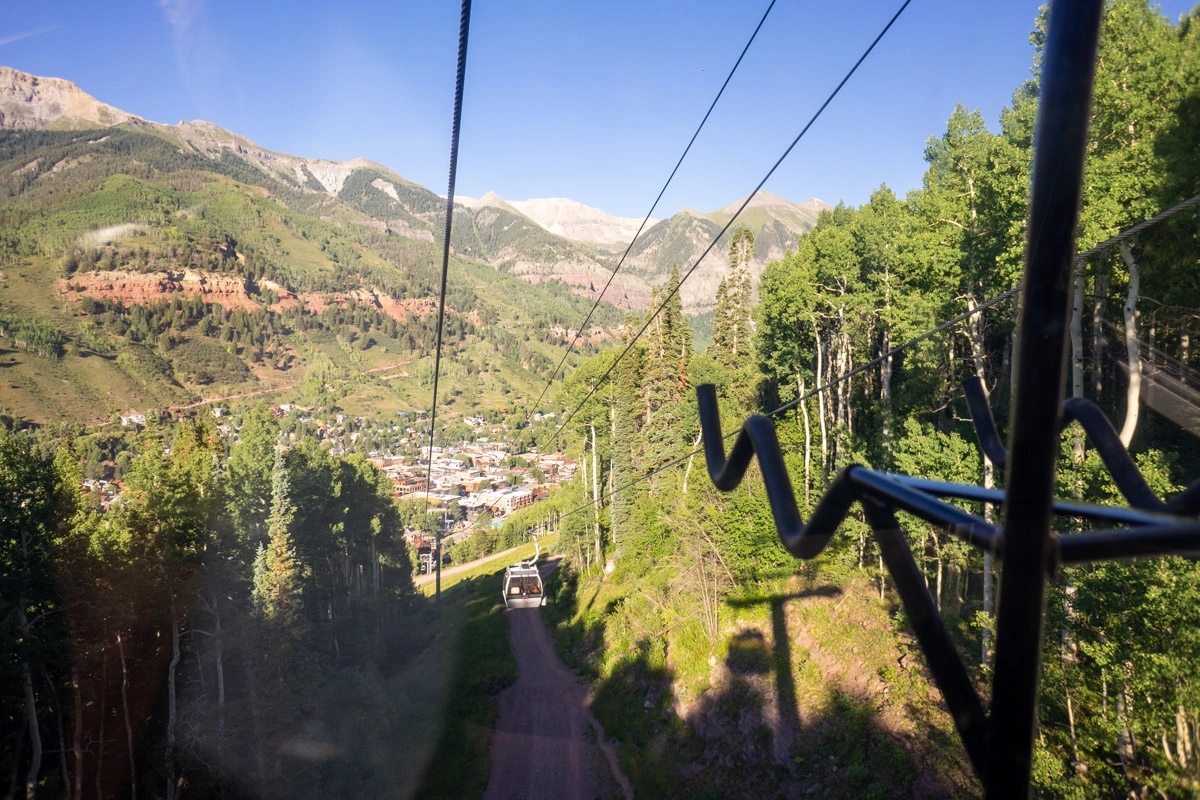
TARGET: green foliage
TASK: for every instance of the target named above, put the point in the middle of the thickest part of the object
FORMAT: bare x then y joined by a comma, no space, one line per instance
203,362
860,282
32,336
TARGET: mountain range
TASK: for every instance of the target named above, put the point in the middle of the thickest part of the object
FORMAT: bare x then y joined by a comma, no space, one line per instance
537,240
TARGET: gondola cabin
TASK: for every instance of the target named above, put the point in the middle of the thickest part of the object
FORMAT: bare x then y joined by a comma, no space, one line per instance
523,586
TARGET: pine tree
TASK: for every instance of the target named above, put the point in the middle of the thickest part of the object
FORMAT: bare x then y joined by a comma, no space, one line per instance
278,573
731,317
666,382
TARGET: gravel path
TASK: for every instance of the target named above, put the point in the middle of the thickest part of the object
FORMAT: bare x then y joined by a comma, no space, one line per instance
545,743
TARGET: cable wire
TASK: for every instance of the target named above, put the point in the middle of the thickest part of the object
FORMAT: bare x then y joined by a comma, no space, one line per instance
815,391
464,26
1125,234
579,333
736,214
1138,228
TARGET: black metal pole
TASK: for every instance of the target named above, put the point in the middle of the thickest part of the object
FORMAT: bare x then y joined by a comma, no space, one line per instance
927,623
1065,105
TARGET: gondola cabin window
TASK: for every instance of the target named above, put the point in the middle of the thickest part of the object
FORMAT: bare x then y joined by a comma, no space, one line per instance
523,586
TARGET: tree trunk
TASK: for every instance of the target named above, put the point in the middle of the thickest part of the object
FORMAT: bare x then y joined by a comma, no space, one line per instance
686,473
975,336
1126,744
612,471
128,722
839,410
14,777
821,402
220,655
1077,332
985,657
807,439
1077,351
938,545
1185,351
583,464
1071,723
596,497
847,368
885,392
1099,301
1183,738
31,720
1133,395
77,737
62,737
169,756
35,735
103,712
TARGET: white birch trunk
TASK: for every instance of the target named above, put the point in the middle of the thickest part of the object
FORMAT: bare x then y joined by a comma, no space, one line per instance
103,713
31,720
1133,395
220,655
807,440
686,473
1077,333
1099,301
612,469
596,497
885,392
821,401
128,723
975,334
583,464
77,738
169,757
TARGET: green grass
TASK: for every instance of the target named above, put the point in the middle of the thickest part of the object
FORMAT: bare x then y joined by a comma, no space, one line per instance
868,717
484,665
490,567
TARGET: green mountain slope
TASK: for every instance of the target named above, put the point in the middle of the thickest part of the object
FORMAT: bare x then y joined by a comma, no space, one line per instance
167,276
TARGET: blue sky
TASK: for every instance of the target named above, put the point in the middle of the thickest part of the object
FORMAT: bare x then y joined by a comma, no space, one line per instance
588,100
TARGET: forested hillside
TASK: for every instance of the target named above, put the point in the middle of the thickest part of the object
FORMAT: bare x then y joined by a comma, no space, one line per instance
726,668
227,629
137,275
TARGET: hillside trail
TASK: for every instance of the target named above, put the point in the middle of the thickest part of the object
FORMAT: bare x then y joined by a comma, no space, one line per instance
547,744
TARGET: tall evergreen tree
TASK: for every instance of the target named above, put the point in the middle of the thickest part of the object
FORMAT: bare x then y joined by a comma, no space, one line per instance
278,573
731,316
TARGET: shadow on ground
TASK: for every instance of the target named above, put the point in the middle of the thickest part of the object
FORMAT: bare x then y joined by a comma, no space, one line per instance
756,733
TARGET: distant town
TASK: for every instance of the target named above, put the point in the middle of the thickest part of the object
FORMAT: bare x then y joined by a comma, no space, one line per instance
480,477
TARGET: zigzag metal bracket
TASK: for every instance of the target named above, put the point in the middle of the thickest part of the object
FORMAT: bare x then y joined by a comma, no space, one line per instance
881,494
1103,436
1000,741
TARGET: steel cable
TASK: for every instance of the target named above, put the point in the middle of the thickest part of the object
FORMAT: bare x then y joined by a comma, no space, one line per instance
583,326
464,26
1125,234
736,214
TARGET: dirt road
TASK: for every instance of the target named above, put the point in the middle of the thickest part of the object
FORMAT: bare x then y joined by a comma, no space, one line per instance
545,743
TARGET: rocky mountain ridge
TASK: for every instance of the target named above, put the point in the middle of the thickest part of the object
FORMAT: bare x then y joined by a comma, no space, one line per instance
539,239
